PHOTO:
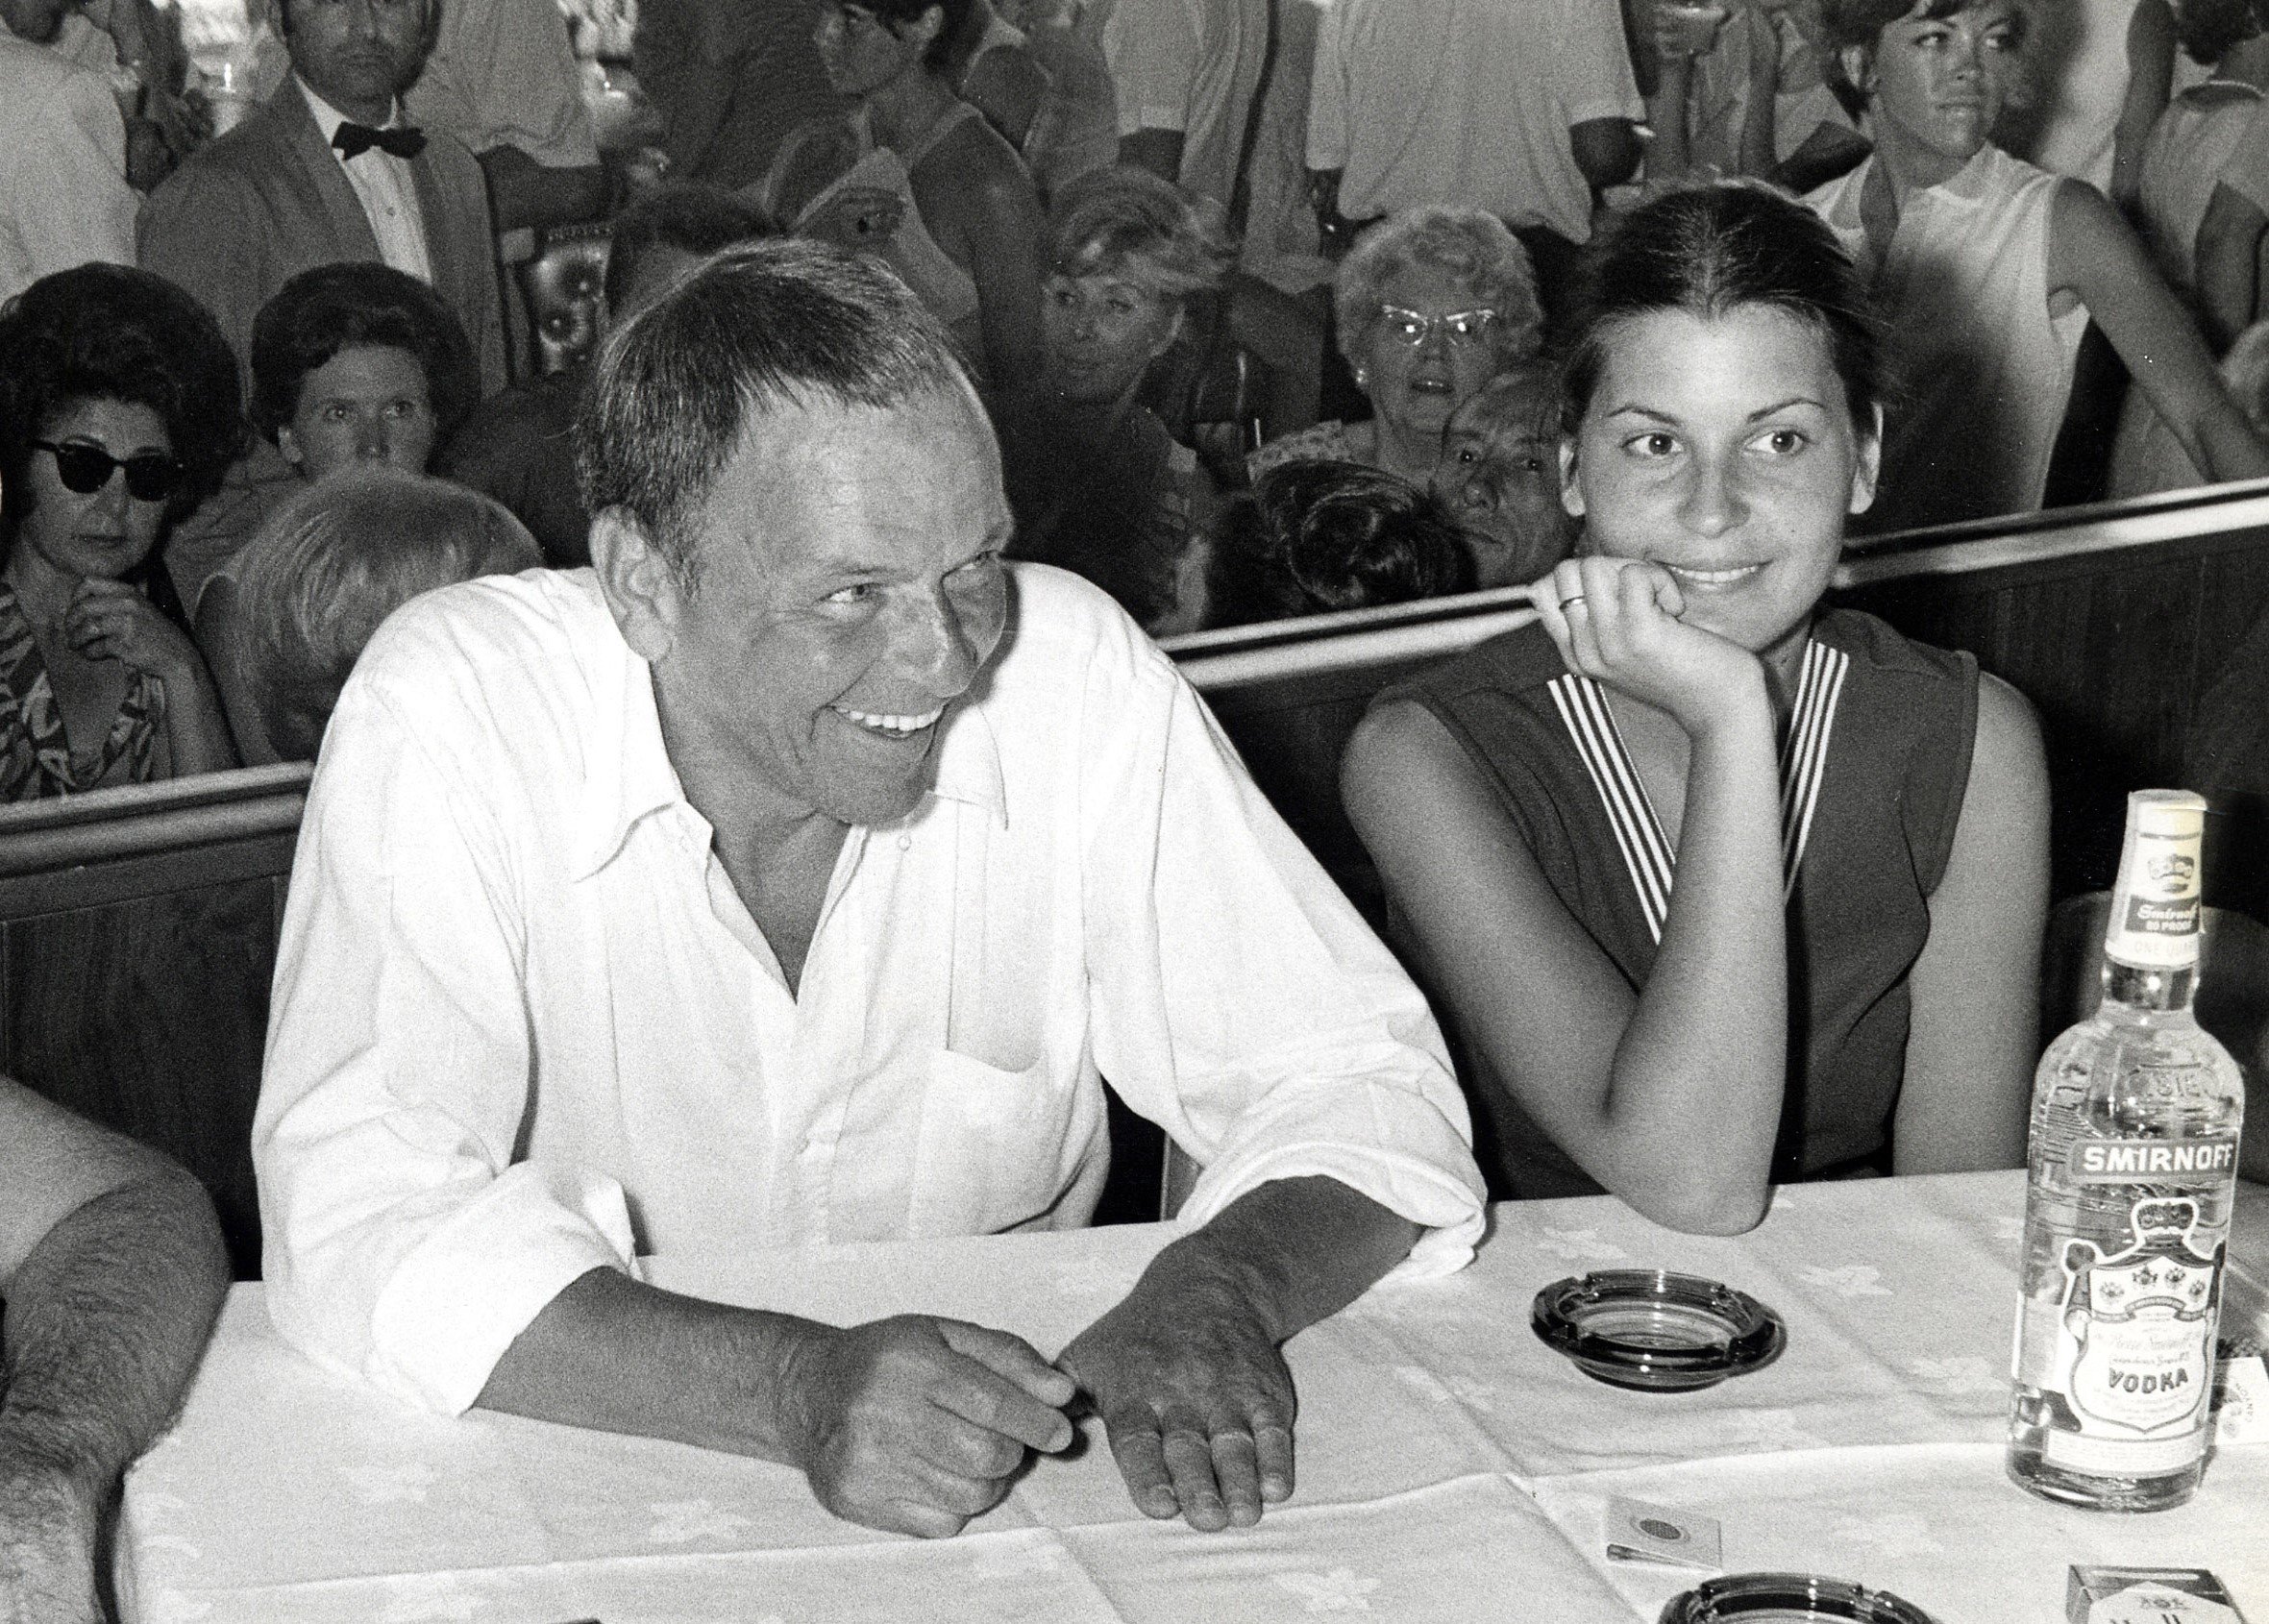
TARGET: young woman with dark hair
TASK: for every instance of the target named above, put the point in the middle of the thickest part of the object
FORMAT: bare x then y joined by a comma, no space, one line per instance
120,406
1719,887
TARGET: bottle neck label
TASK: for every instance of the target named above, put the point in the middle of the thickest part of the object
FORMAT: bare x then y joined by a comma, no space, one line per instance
2154,907
2154,1160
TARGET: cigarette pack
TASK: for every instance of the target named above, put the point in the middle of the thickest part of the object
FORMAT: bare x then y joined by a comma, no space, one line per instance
2148,1595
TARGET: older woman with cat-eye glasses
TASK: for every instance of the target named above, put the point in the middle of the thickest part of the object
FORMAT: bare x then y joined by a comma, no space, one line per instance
1430,304
120,406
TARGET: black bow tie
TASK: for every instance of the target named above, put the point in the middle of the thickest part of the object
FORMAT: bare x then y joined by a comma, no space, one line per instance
355,139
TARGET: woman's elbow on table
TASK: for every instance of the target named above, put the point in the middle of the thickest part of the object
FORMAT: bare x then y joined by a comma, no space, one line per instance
1706,1207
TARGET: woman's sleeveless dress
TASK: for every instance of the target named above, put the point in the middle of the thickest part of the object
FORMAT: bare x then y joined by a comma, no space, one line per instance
1982,367
1874,768
936,277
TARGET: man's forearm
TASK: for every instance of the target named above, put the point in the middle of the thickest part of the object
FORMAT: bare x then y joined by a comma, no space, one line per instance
615,1355
106,1320
1294,1251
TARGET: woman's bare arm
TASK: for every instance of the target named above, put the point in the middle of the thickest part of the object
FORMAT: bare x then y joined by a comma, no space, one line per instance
1973,1035
989,222
2149,81
2092,252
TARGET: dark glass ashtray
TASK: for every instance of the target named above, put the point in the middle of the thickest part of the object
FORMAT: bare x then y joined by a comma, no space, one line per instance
1656,1331
1787,1598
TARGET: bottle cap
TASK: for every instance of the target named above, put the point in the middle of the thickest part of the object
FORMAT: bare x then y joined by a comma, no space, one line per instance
2153,920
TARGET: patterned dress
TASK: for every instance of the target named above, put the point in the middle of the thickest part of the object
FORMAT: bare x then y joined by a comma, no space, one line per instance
36,760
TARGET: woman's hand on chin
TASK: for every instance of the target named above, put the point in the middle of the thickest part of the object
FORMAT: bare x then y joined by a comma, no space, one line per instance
108,619
1618,620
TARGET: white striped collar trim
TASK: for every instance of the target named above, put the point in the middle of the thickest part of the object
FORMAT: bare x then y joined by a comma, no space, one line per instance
1649,856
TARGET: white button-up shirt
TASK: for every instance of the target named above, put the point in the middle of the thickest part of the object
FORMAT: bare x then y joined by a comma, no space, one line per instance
385,187
524,1026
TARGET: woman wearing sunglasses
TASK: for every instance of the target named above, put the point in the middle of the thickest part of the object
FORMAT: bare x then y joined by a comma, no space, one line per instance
119,405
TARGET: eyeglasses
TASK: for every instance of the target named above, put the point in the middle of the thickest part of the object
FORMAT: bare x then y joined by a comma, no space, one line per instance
1409,327
151,476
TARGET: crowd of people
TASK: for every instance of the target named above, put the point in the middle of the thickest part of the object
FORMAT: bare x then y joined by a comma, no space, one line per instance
701,731
1179,244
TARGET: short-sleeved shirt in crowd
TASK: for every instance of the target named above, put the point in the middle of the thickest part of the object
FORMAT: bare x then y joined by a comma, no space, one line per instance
36,760
1872,787
1980,364
1467,101
1192,65
64,197
525,1026
503,73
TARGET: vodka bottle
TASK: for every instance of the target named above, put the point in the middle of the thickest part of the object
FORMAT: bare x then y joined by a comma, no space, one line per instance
2135,1114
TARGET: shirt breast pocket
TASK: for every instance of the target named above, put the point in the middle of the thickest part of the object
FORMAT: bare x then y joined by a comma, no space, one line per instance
997,1148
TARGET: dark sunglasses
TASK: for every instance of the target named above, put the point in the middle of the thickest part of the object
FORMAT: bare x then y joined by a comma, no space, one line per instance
151,476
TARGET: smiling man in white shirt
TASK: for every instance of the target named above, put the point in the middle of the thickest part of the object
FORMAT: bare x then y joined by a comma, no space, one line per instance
795,877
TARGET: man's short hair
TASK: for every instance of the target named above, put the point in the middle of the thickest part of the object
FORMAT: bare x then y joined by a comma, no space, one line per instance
688,215
327,566
760,329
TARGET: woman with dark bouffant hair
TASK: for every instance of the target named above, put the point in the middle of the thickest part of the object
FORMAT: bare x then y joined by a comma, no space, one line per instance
1312,537
119,409
354,365
360,364
1720,887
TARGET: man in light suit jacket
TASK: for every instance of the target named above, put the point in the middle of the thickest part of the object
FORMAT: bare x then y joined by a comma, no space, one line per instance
324,171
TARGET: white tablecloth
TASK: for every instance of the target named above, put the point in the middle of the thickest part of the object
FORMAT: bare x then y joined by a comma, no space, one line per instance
1450,1466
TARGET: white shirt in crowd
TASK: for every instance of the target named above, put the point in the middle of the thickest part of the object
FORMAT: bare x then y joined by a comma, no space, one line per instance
386,189
503,73
1466,101
524,1026
64,197
1193,66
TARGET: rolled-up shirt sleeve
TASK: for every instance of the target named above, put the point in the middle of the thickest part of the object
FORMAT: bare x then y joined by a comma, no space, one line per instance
1241,1003
402,1246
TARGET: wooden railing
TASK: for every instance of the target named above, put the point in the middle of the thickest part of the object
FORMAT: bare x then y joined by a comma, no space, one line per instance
137,926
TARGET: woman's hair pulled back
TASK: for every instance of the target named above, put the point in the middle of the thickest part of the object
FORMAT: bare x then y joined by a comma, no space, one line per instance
1710,249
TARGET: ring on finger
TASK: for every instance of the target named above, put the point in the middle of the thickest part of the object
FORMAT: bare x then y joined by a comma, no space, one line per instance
1567,603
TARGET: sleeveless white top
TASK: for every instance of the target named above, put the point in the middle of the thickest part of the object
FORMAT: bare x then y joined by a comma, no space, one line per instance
1981,369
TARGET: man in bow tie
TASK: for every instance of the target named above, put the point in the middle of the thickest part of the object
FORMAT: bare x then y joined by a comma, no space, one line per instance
325,170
